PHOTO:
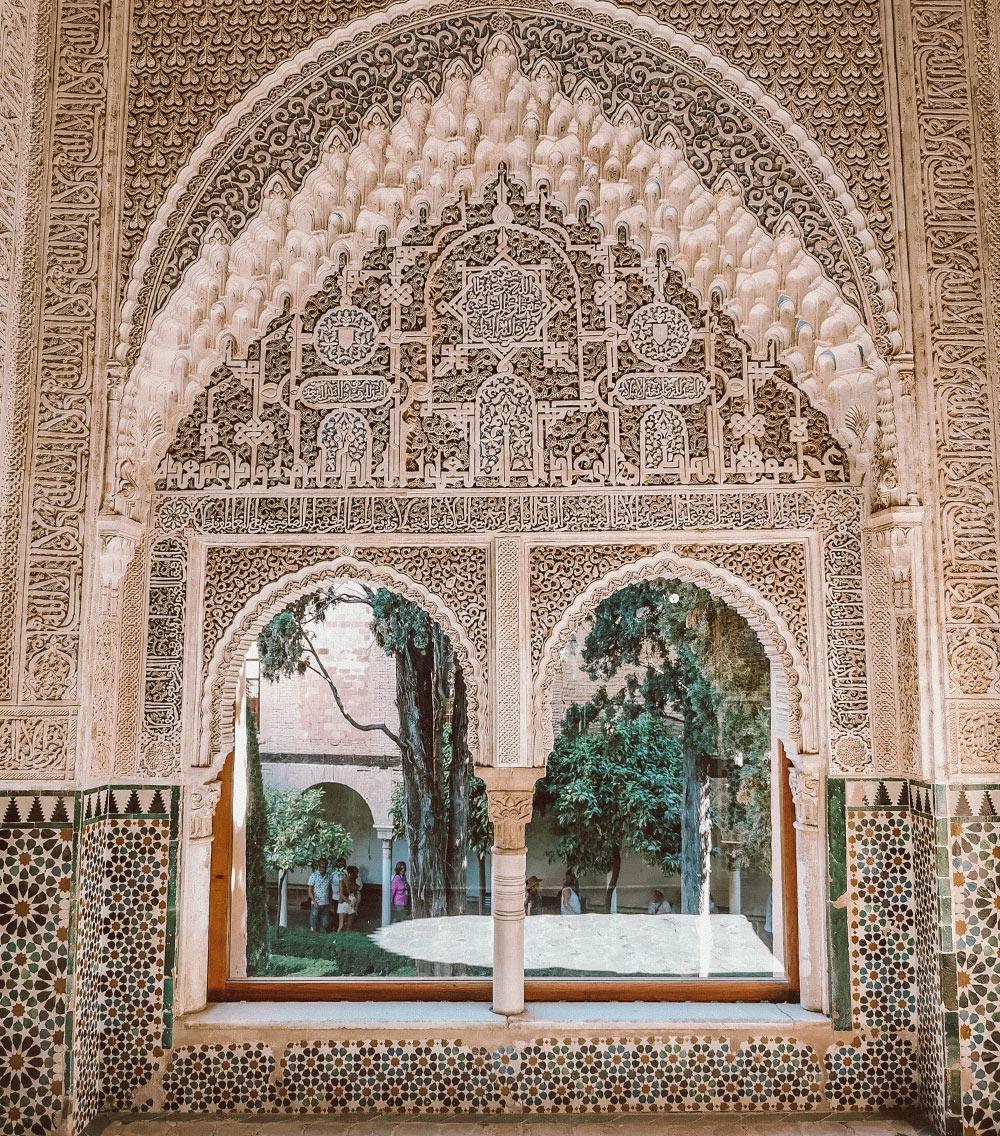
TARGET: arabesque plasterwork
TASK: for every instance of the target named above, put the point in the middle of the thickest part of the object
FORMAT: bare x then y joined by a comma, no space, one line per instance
225,659
798,289
624,566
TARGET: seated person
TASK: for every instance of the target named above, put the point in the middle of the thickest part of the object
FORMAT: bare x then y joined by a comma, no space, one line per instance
532,896
658,905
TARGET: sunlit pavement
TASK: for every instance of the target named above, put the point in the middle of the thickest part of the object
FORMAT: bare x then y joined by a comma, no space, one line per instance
638,944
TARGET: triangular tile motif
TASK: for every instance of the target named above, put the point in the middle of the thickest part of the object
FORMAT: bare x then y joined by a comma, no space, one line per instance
133,806
35,814
904,796
157,804
986,808
88,800
12,814
59,813
962,806
112,803
882,798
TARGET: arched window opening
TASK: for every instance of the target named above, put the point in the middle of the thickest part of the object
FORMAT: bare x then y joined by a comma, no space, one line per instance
660,855
355,820
659,835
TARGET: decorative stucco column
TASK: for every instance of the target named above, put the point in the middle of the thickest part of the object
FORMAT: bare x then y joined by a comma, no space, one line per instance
509,795
385,835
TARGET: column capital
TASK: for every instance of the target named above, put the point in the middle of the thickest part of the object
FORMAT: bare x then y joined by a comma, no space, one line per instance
510,792
383,831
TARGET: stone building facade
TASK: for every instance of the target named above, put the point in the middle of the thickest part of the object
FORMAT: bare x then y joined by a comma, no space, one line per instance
501,306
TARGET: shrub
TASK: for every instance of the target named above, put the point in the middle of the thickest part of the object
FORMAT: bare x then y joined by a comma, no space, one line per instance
256,864
350,951
295,966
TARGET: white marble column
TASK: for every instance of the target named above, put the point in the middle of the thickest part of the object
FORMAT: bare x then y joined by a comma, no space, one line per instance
385,835
509,793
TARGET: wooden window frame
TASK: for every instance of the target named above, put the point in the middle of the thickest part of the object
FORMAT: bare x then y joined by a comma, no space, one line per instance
222,988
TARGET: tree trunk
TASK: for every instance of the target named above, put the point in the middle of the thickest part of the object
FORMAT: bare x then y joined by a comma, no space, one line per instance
696,835
616,867
422,788
459,774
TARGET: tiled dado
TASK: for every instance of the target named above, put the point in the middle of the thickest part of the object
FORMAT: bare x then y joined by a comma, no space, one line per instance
970,959
36,867
127,873
890,1031
693,1073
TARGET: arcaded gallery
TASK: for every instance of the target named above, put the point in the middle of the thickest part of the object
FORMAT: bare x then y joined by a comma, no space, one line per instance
499,568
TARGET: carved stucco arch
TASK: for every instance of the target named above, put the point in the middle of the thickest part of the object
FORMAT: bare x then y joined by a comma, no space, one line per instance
791,692
197,286
223,672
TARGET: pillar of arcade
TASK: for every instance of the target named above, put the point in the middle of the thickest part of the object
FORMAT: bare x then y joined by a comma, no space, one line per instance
509,796
384,833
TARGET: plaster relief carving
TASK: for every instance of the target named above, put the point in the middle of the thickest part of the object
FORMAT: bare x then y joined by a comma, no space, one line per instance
201,809
790,671
789,306
230,633
806,796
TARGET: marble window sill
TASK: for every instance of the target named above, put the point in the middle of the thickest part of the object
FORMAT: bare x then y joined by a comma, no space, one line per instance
264,1020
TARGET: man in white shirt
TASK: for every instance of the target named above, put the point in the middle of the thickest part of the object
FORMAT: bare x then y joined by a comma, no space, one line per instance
320,890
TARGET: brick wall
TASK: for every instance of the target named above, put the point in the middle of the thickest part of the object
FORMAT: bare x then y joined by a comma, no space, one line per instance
299,715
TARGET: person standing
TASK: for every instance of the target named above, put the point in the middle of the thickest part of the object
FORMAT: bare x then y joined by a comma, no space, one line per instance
399,894
337,873
320,891
350,899
658,905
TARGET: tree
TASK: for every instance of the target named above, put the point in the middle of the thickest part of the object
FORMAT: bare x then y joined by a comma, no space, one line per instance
432,710
298,833
256,855
689,654
613,780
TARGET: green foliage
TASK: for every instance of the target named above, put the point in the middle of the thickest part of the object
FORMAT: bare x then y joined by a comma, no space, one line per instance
295,966
699,659
614,780
297,832
398,623
480,826
349,952
256,854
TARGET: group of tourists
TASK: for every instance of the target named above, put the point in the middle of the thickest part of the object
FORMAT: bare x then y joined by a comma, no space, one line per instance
334,892
569,898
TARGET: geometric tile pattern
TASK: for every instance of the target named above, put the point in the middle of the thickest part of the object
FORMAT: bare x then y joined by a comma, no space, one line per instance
930,1005
567,1075
124,994
36,867
974,845
881,908
897,1021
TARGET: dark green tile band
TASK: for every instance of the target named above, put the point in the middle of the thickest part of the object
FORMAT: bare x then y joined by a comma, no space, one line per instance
840,977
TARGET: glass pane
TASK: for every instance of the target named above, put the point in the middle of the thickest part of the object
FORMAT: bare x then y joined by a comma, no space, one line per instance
653,849
361,834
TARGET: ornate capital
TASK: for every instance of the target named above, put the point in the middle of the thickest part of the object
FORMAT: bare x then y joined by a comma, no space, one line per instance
510,793
119,537
201,809
806,795
893,529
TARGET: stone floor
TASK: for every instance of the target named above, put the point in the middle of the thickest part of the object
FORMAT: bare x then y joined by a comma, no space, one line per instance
831,1124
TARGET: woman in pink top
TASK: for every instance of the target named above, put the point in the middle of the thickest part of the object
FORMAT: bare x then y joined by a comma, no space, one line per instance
399,892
